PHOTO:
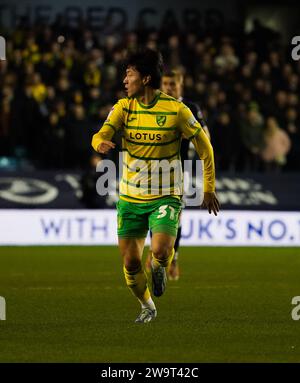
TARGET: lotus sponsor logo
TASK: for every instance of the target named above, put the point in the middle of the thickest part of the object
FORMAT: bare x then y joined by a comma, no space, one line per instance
27,191
145,136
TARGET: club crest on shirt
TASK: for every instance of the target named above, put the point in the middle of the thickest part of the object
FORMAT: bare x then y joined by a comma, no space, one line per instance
161,120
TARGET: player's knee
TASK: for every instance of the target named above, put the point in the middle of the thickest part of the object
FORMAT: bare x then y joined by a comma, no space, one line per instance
131,263
161,251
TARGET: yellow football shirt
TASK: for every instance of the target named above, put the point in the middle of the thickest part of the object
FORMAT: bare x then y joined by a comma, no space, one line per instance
151,146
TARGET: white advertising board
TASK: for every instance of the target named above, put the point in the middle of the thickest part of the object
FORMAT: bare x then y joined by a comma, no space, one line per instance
99,227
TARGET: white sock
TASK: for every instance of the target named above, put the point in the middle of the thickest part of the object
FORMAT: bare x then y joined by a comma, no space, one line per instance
149,304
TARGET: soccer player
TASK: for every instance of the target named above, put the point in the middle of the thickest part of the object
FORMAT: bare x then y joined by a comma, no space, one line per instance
153,124
172,84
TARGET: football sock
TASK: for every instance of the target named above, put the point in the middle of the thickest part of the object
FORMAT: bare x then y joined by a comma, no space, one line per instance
148,304
137,282
165,262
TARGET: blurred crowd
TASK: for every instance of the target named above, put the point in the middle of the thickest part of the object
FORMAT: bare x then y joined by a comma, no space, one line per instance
58,85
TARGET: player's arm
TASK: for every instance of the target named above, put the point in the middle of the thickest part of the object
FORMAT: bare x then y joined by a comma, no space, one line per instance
101,141
200,118
205,152
192,130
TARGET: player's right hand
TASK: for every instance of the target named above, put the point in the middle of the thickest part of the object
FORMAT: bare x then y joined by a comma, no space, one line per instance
211,203
105,147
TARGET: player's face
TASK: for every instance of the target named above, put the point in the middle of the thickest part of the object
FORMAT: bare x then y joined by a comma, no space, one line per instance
133,82
170,86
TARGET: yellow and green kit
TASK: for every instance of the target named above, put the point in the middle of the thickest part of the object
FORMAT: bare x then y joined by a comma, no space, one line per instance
151,170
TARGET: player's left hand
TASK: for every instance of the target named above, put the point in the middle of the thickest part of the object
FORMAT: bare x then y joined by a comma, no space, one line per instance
211,203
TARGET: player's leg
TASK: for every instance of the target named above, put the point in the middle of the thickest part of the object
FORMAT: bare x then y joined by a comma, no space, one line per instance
162,254
173,271
164,225
149,257
131,250
162,246
132,230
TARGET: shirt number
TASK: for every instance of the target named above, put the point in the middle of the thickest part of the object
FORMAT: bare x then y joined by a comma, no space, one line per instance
163,211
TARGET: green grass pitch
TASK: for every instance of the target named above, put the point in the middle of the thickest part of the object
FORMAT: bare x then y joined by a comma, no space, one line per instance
70,304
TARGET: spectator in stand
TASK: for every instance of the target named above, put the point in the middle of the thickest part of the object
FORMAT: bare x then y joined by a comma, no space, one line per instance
277,145
224,141
78,130
281,104
252,135
225,72
5,120
90,197
292,127
227,58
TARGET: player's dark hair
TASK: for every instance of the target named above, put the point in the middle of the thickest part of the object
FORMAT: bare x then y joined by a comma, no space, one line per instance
147,62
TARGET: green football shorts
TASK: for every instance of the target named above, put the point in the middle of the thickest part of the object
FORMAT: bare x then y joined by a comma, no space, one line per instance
160,216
